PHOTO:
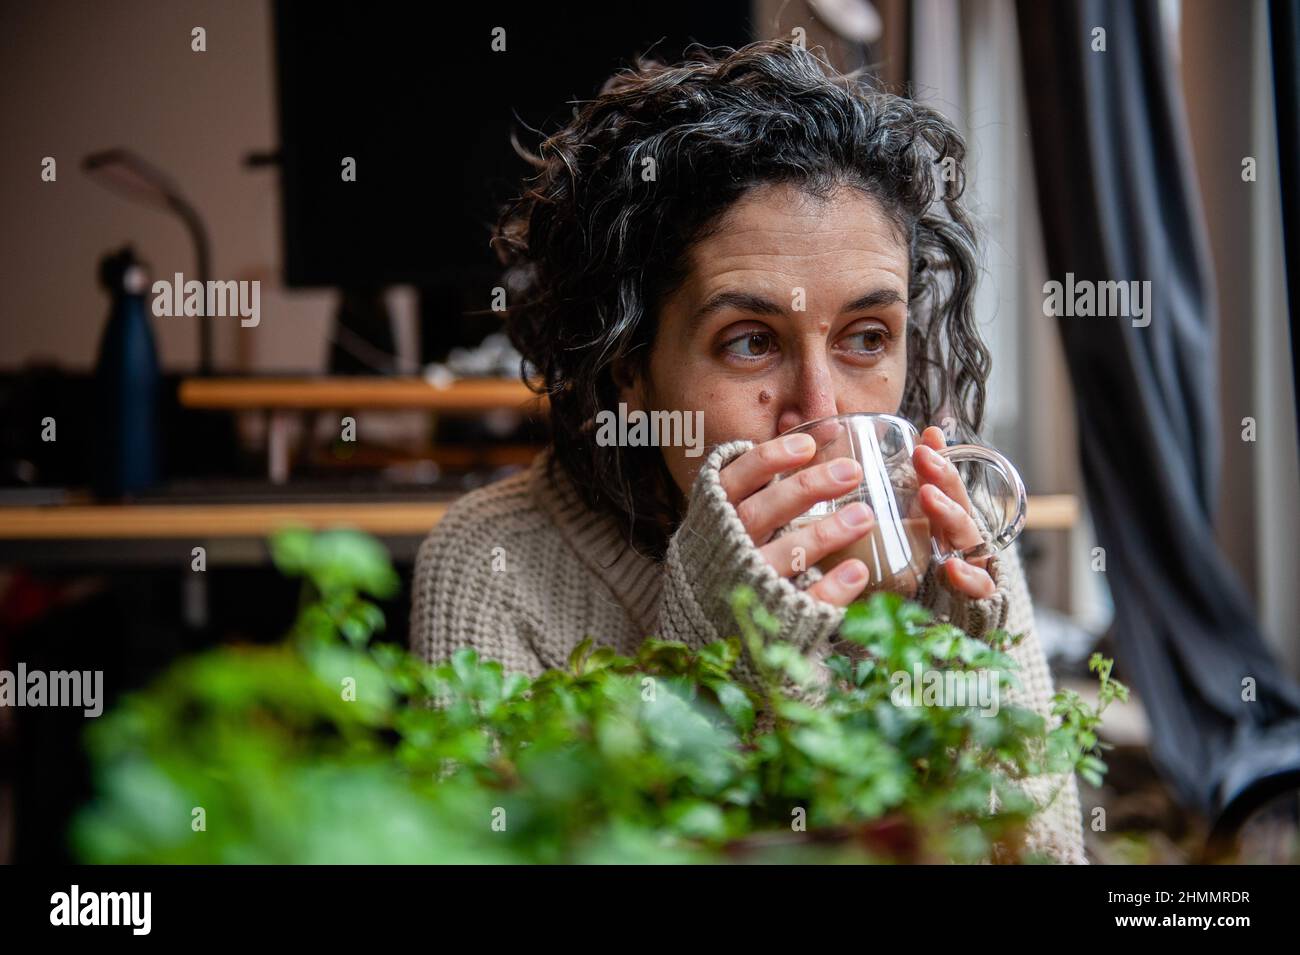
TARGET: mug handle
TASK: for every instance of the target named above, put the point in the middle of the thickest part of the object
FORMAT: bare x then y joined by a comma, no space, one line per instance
994,541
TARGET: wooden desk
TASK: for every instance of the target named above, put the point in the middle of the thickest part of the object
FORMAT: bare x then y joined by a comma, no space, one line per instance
201,521
125,537
391,518
1052,512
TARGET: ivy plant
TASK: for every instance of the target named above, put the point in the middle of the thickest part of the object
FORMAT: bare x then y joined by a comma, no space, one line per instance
336,747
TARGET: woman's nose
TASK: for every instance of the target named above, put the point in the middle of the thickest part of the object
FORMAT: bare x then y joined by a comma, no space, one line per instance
813,398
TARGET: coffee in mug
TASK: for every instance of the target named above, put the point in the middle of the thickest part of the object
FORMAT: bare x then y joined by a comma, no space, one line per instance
897,554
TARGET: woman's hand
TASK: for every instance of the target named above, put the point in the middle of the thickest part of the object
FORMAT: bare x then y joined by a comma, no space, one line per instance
765,507
945,502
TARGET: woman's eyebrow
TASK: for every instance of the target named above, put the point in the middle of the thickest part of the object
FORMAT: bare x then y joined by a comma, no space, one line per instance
761,305
877,298
741,301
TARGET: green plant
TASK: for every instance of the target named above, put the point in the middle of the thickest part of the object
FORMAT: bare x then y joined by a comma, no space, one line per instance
332,747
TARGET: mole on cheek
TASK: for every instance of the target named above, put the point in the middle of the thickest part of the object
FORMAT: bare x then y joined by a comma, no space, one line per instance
764,396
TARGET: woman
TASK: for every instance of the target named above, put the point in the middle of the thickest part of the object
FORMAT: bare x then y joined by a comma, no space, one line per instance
753,242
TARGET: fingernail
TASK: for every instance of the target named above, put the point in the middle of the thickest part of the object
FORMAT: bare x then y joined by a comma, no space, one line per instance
856,515
934,457
972,576
844,469
799,443
853,573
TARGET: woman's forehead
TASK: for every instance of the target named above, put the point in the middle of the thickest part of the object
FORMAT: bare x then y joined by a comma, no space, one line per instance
785,226
777,238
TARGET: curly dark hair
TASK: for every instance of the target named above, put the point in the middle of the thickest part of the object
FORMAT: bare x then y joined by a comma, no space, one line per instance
592,247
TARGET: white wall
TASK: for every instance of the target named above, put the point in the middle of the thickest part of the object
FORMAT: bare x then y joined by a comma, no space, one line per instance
76,77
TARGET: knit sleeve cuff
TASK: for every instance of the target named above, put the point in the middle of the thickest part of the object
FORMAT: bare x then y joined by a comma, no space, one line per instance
711,554
975,617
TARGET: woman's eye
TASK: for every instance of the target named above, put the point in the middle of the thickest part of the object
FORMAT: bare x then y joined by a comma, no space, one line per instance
751,345
869,340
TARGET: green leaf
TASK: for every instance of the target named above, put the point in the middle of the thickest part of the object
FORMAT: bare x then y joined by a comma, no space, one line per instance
697,819
735,702
577,655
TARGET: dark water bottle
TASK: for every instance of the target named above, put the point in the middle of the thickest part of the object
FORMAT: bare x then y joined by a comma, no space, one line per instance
126,384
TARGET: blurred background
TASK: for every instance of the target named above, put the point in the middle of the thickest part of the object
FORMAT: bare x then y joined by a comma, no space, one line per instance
144,458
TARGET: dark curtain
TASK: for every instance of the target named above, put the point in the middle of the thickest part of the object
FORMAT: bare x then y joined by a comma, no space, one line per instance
1284,34
1118,203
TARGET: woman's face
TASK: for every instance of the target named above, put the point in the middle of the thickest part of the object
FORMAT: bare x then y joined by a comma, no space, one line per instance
795,308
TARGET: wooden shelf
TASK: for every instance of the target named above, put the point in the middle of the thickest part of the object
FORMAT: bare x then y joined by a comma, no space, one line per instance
465,396
450,457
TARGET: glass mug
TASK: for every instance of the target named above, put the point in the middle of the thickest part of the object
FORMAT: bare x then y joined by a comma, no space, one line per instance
900,548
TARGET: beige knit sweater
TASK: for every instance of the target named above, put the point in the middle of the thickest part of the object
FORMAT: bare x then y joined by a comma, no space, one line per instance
523,571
